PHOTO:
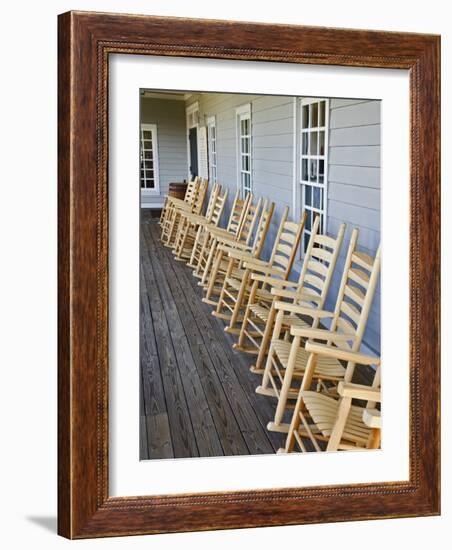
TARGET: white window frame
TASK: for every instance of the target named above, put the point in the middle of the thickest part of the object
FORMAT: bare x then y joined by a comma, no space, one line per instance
309,156
155,158
212,144
192,120
244,113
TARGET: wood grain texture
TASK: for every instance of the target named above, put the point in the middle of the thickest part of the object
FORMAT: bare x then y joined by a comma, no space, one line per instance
85,41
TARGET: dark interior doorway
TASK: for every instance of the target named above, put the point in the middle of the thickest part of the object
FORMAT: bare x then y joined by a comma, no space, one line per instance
193,141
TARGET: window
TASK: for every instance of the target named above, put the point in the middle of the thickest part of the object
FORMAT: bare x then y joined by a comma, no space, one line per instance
313,161
149,176
244,172
212,146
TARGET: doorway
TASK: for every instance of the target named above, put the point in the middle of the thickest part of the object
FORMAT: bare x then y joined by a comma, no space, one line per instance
193,145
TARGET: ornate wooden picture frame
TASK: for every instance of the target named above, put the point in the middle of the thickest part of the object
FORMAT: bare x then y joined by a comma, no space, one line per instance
86,41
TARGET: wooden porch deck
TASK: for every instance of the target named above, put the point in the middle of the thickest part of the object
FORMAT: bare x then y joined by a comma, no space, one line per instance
197,393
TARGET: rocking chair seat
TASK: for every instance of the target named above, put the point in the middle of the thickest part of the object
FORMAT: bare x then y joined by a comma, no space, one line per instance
323,411
326,368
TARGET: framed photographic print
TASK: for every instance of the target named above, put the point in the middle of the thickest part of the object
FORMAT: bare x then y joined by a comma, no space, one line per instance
248,274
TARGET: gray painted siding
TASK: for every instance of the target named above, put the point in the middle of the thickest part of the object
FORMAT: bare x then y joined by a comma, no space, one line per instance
354,188
272,147
169,116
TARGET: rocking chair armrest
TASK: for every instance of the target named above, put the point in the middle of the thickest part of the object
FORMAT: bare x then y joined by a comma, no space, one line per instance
217,232
229,243
231,247
320,334
372,418
197,219
184,206
245,256
303,310
300,295
344,354
358,391
262,267
175,201
273,281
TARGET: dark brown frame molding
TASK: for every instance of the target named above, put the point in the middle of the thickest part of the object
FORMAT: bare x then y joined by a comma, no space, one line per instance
84,44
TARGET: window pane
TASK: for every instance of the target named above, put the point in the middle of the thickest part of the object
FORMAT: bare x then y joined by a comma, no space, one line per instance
314,115
308,220
308,195
313,170
247,126
321,143
147,134
317,198
304,169
321,171
306,239
322,113
313,149
305,117
304,143
147,155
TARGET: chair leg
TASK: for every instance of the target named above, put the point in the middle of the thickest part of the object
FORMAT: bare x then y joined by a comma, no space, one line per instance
305,385
264,347
248,312
239,302
269,364
221,299
287,382
209,261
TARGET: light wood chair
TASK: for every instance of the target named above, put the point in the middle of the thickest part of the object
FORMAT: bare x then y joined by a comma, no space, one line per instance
191,225
170,229
215,278
171,202
241,233
202,250
288,360
331,424
237,285
310,291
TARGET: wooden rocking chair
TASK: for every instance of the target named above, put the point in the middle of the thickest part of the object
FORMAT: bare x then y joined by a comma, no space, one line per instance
191,225
171,202
288,360
241,232
310,290
336,424
237,285
200,252
170,229
221,264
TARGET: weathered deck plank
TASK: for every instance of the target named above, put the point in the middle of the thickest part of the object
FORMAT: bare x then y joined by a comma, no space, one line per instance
229,431
204,387
182,435
207,438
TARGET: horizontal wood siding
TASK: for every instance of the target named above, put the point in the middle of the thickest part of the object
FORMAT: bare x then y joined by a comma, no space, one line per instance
272,147
169,116
354,188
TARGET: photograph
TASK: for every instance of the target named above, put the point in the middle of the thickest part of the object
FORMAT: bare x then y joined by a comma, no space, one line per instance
260,254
